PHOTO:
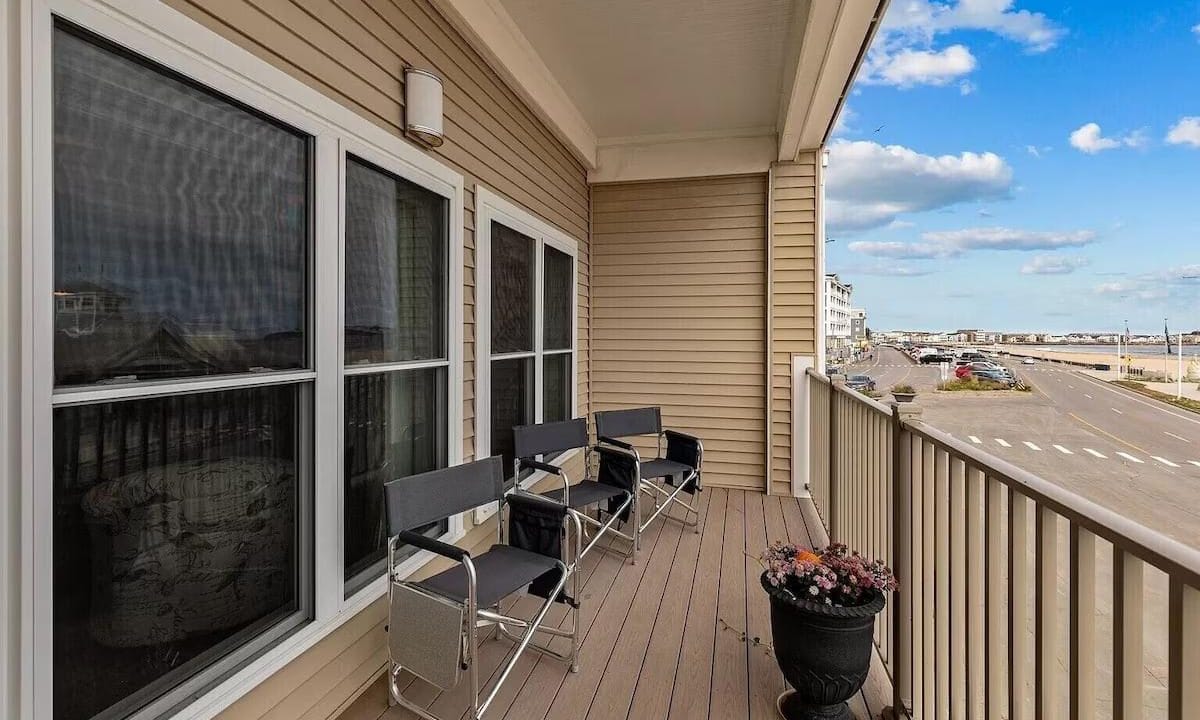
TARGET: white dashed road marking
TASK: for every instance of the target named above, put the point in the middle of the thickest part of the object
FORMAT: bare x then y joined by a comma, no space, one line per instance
1031,446
1070,386
1089,397
1164,461
1131,458
1195,462
1090,451
1003,442
1117,411
1063,450
975,440
1176,436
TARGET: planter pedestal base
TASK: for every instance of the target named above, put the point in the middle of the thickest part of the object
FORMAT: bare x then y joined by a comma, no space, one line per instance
792,708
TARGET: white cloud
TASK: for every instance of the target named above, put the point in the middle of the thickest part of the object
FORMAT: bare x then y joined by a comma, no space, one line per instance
1053,265
845,116
1179,282
966,87
954,243
887,270
1089,139
1186,131
1000,238
907,68
901,250
869,185
900,224
1196,30
904,52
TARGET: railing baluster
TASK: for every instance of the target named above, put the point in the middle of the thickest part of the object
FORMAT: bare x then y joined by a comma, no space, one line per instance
916,578
1128,658
1046,625
928,568
977,563
941,535
1183,700
958,588
1083,623
901,655
1018,604
997,689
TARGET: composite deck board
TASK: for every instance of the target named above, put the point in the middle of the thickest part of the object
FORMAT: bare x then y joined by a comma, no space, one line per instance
730,682
669,637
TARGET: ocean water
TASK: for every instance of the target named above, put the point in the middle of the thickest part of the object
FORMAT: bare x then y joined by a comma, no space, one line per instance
1189,351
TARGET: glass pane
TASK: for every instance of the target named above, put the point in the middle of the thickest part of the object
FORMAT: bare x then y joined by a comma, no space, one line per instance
512,290
180,225
512,404
556,333
176,538
396,244
396,426
556,387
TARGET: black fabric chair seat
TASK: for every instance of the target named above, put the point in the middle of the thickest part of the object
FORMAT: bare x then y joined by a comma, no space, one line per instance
585,493
500,572
660,468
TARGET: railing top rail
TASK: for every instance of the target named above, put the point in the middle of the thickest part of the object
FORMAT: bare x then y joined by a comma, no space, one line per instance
812,373
1153,547
870,402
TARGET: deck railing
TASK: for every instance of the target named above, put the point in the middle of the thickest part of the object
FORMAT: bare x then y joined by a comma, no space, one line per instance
1001,576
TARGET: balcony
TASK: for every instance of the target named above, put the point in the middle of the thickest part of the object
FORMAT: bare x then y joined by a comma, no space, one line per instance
1019,598
683,634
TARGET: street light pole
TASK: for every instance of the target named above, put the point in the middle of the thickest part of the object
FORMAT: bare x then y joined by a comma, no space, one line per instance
1179,372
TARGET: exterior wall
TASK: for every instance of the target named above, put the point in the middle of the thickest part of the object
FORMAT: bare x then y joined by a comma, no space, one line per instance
793,298
678,317
355,52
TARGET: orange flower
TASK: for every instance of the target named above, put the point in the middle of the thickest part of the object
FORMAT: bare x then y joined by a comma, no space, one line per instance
809,557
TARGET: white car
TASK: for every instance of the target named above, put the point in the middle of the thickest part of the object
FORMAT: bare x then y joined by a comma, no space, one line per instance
1027,361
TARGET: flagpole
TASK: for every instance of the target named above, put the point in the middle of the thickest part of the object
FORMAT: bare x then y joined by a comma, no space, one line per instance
1179,372
1119,355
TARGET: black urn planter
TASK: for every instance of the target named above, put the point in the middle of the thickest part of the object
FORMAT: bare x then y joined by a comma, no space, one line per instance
904,397
823,651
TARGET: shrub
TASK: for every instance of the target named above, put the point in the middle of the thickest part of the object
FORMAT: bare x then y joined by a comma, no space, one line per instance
832,576
972,384
904,389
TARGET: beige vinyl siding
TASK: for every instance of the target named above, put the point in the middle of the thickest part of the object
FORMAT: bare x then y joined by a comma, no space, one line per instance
793,305
354,51
678,314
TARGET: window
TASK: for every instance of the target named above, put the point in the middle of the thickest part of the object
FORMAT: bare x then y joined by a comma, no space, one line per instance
396,403
251,318
526,333
181,511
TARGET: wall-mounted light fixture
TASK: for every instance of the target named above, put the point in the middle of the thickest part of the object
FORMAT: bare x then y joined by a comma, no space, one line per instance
423,106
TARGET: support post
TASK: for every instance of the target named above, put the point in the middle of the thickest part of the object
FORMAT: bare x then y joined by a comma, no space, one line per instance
836,383
901,480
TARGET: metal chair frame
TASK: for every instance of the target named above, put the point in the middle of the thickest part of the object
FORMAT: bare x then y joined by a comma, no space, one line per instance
483,618
663,499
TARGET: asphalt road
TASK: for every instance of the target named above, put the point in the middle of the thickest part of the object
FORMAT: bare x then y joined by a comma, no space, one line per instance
1139,457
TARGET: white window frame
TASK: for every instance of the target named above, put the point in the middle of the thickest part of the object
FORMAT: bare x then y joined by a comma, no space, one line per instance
173,40
491,206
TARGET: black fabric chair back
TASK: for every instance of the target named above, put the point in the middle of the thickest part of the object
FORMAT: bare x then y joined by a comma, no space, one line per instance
549,438
417,500
624,423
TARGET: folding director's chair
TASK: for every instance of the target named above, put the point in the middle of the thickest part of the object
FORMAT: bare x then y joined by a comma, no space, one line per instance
612,494
680,468
434,624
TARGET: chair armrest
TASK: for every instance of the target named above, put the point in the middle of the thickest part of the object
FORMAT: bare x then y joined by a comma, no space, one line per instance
539,465
684,437
423,542
615,442
539,502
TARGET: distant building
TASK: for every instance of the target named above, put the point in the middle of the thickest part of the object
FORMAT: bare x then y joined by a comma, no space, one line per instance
837,316
858,327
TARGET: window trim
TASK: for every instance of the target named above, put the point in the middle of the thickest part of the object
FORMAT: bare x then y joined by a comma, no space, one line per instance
491,206
172,39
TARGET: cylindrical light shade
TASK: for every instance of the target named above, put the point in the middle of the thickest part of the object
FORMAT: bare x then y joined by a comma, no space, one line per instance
423,106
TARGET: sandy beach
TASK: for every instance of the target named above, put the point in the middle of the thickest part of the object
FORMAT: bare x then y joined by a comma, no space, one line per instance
1145,363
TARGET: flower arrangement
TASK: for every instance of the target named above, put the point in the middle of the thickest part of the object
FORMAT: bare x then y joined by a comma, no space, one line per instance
832,576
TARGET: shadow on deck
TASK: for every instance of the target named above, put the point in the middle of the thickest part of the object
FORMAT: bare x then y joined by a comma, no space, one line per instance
683,634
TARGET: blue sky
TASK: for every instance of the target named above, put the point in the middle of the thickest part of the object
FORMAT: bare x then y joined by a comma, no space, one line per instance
1023,166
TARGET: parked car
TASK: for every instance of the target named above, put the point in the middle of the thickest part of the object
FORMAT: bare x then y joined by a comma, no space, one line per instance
1028,361
935,357
860,382
994,376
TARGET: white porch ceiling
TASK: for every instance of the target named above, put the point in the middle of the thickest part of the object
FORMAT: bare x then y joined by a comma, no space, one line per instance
638,68
646,89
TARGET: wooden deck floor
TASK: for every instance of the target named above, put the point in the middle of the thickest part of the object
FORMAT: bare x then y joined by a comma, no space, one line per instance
684,634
